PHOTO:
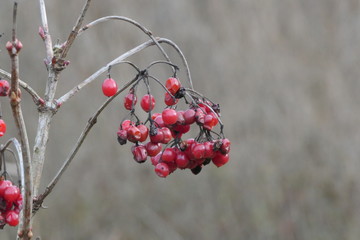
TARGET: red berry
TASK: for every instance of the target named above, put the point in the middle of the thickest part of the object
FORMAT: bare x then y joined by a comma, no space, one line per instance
144,131
162,170
2,127
173,85
4,88
168,155
169,116
122,136
220,159
126,124
200,116
156,159
12,218
167,136
159,121
133,134
147,102
11,193
130,101
225,146
139,152
182,128
189,116
170,100
181,160
198,150
158,137
180,118
153,148
209,150
109,87
3,185
210,121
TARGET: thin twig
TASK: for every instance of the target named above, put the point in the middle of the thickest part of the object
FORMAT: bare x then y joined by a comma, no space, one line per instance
75,30
35,96
47,37
119,59
131,21
90,124
24,230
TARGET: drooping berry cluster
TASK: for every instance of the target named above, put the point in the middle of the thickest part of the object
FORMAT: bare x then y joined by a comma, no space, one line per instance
10,203
163,141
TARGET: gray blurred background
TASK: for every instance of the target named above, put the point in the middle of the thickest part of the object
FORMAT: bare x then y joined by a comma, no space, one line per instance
286,74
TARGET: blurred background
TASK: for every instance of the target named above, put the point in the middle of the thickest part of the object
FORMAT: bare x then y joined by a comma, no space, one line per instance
286,74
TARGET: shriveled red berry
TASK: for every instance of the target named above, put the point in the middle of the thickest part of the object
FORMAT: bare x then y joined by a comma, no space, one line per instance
147,102
200,116
210,121
4,88
168,155
144,132
11,193
220,159
189,116
109,87
162,170
180,118
225,146
169,116
133,134
2,127
140,154
122,136
156,159
130,101
181,160
12,218
153,148
170,100
173,85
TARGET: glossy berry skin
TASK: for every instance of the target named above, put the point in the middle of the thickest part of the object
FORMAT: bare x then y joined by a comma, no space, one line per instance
144,132
122,136
198,150
158,137
159,121
109,87
162,170
2,127
169,116
189,116
133,134
129,101
156,159
170,100
11,193
4,88
210,121
12,218
209,150
147,102
181,160
167,136
220,159
126,124
168,155
153,148
172,85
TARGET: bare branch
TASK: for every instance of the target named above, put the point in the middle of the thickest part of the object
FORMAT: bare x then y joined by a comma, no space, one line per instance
129,53
37,99
24,230
45,26
131,21
92,121
75,30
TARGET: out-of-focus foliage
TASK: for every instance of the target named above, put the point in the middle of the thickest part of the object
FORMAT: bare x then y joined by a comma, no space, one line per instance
286,74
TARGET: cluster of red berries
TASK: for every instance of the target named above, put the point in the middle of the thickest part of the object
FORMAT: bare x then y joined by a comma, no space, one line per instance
166,148
4,91
10,203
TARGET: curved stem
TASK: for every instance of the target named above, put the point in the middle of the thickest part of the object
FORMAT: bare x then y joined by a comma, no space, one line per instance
39,200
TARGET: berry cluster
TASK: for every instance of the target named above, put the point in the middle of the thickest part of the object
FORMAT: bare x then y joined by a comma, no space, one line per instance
162,141
10,203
